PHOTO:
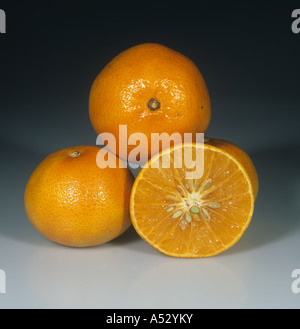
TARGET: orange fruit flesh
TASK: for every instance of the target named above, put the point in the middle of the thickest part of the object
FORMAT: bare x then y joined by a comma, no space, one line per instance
239,155
199,217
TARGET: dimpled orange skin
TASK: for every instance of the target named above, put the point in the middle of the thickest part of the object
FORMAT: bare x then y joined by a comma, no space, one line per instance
121,93
71,201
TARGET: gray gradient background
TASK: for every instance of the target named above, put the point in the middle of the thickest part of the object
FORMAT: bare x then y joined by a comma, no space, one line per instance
249,58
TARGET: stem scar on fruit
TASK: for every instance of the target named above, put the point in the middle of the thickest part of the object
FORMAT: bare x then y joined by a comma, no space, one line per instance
153,104
74,154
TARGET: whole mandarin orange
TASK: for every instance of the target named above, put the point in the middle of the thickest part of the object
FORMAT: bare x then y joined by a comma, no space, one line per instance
73,202
151,89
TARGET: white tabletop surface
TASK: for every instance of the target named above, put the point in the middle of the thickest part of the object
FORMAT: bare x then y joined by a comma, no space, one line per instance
129,273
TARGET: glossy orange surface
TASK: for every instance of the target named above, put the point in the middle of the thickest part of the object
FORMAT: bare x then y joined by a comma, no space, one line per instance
73,202
123,91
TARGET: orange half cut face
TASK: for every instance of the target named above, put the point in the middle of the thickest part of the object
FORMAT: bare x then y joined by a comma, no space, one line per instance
192,217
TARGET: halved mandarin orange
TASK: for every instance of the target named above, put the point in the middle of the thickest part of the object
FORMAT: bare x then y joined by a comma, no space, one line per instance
199,216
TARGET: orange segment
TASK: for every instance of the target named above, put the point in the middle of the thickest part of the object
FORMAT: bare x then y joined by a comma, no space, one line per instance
197,217
239,155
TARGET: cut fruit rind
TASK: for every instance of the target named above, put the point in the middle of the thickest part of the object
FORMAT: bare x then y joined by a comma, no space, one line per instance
201,217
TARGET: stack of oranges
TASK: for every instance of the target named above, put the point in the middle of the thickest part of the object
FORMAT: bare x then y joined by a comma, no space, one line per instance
76,198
